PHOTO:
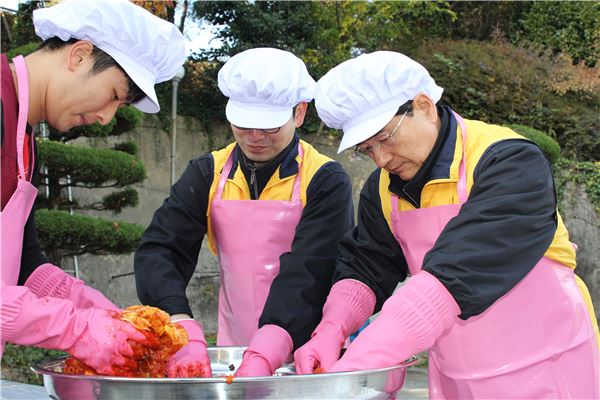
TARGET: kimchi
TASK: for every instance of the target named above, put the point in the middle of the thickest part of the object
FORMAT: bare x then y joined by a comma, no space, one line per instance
164,340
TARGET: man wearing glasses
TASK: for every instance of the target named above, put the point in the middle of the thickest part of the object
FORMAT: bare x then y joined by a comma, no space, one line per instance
273,210
468,209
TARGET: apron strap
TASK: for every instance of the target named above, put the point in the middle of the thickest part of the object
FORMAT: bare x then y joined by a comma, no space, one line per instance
229,163
296,187
461,186
23,88
224,174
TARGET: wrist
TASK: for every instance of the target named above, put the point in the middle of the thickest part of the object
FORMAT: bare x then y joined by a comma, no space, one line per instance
180,317
273,343
193,329
49,280
423,308
349,304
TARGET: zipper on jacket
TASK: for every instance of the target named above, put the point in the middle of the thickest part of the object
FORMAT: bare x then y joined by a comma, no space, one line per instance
410,198
253,182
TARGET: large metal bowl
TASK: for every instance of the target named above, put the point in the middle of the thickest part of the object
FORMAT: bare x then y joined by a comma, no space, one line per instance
285,384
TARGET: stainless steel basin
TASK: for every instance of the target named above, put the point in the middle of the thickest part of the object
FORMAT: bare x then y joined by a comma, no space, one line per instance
284,384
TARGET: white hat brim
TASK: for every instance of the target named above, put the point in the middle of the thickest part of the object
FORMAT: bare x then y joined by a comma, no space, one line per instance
258,116
363,130
149,104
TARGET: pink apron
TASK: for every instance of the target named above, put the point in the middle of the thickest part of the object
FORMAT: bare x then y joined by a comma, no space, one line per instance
251,235
15,213
534,342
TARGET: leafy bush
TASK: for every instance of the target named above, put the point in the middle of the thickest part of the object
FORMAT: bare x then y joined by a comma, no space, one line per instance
502,84
23,50
548,145
572,27
586,173
17,359
91,166
126,118
118,200
78,234
128,147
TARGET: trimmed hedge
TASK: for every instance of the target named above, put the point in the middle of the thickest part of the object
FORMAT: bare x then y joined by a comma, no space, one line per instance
117,201
126,118
128,147
79,234
548,145
91,167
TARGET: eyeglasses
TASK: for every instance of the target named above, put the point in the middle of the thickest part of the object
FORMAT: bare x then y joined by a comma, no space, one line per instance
270,131
366,153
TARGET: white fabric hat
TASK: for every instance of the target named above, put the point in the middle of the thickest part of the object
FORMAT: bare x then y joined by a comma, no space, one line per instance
148,48
361,95
263,86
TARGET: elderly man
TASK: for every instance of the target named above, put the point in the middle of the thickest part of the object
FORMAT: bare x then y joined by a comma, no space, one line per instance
468,210
273,210
90,63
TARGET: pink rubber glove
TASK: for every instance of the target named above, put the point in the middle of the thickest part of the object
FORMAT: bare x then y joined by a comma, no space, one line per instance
192,360
410,322
269,348
49,280
94,336
348,306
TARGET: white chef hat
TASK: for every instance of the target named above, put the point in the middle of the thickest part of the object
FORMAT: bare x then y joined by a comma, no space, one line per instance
148,48
263,86
361,95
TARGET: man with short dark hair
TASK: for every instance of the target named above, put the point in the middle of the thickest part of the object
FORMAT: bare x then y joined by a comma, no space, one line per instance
91,62
273,209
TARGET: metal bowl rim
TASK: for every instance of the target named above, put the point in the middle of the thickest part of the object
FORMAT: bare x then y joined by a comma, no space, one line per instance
36,366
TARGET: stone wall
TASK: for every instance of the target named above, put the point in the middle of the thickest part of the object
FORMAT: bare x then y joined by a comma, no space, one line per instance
113,275
583,224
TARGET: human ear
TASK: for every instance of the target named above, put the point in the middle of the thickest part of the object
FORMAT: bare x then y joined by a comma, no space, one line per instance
300,114
425,105
79,53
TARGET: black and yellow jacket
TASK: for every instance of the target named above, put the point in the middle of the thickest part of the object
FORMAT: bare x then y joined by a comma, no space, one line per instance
508,223
168,253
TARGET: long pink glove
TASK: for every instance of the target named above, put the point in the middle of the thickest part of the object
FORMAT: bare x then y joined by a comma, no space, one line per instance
49,280
192,360
410,322
348,306
94,336
269,348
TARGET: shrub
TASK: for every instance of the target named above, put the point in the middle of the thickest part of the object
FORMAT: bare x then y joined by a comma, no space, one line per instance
17,359
117,201
126,118
91,166
586,173
548,145
79,234
128,147
23,50
502,84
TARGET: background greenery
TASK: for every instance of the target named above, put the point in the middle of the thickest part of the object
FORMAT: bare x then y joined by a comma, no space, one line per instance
532,66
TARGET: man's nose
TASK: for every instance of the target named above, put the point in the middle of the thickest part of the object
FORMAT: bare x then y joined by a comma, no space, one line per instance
380,156
107,113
